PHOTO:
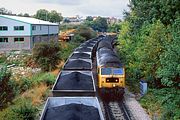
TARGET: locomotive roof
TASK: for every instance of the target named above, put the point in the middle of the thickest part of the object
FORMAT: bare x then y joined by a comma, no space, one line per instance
105,44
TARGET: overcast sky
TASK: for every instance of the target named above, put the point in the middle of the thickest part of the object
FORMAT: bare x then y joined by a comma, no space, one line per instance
110,8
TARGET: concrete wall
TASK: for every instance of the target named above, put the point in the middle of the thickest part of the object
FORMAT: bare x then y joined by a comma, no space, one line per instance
10,24
45,38
11,45
27,44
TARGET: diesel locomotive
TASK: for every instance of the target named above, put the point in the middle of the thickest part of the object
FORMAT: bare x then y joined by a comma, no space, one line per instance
110,71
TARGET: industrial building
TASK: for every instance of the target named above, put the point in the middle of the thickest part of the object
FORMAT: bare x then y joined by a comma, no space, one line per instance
21,33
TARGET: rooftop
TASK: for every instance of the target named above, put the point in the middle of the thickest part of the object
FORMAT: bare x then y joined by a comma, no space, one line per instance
28,20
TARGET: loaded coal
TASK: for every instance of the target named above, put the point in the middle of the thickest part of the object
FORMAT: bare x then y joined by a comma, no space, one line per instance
84,49
78,64
104,44
80,55
74,81
72,112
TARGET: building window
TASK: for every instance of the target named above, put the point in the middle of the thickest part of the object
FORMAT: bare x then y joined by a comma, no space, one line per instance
3,28
33,27
18,27
3,40
19,39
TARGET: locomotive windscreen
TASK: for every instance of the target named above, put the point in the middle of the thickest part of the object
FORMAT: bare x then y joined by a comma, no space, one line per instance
106,71
118,71
112,71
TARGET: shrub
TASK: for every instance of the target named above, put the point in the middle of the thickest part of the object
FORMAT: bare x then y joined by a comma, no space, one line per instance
26,111
43,78
78,38
2,58
6,89
37,94
47,55
68,49
25,84
164,101
83,33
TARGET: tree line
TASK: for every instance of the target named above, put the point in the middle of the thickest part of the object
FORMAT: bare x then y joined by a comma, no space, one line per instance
150,43
42,14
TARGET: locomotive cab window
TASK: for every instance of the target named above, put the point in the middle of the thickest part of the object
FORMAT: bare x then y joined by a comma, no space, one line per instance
106,71
118,71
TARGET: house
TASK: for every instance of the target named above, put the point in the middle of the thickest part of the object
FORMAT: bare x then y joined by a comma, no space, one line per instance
21,33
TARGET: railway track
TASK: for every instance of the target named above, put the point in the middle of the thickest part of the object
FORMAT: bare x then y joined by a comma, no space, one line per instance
115,110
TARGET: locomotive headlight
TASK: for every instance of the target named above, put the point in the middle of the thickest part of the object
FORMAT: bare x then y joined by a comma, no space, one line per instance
116,80
114,85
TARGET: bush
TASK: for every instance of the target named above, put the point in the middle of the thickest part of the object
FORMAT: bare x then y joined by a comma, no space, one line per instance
47,55
78,38
68,49
83,33
2,58
164,101
25,84
46,78
6,87
26,111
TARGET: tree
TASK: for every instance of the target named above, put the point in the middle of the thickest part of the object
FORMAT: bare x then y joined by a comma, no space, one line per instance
100,24
4,11
114,28
52,16
55,17
47,55
89,18
42,14
85,32
169,71
6,88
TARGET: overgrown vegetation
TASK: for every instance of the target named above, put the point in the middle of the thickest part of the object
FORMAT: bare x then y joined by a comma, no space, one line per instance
99,24
162,102
149,46
47,55
21,97
83,33
6,88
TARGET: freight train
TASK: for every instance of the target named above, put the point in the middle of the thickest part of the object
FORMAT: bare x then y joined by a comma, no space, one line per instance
110,71
75,85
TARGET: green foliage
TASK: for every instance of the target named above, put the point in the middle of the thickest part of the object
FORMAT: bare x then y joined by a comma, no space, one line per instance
22,109
89,18
26,111
47,55
2,59
25,84
169,71
52,16
85,32
46,78
165,101
100,24
65,27
55,17
6,88
70,46
114,28
150,48
78,38
164,10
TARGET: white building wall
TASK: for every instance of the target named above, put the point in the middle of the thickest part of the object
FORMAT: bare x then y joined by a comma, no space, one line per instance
53,29
10,23
45,29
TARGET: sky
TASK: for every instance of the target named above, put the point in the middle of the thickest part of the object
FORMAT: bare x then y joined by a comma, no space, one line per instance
106,8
